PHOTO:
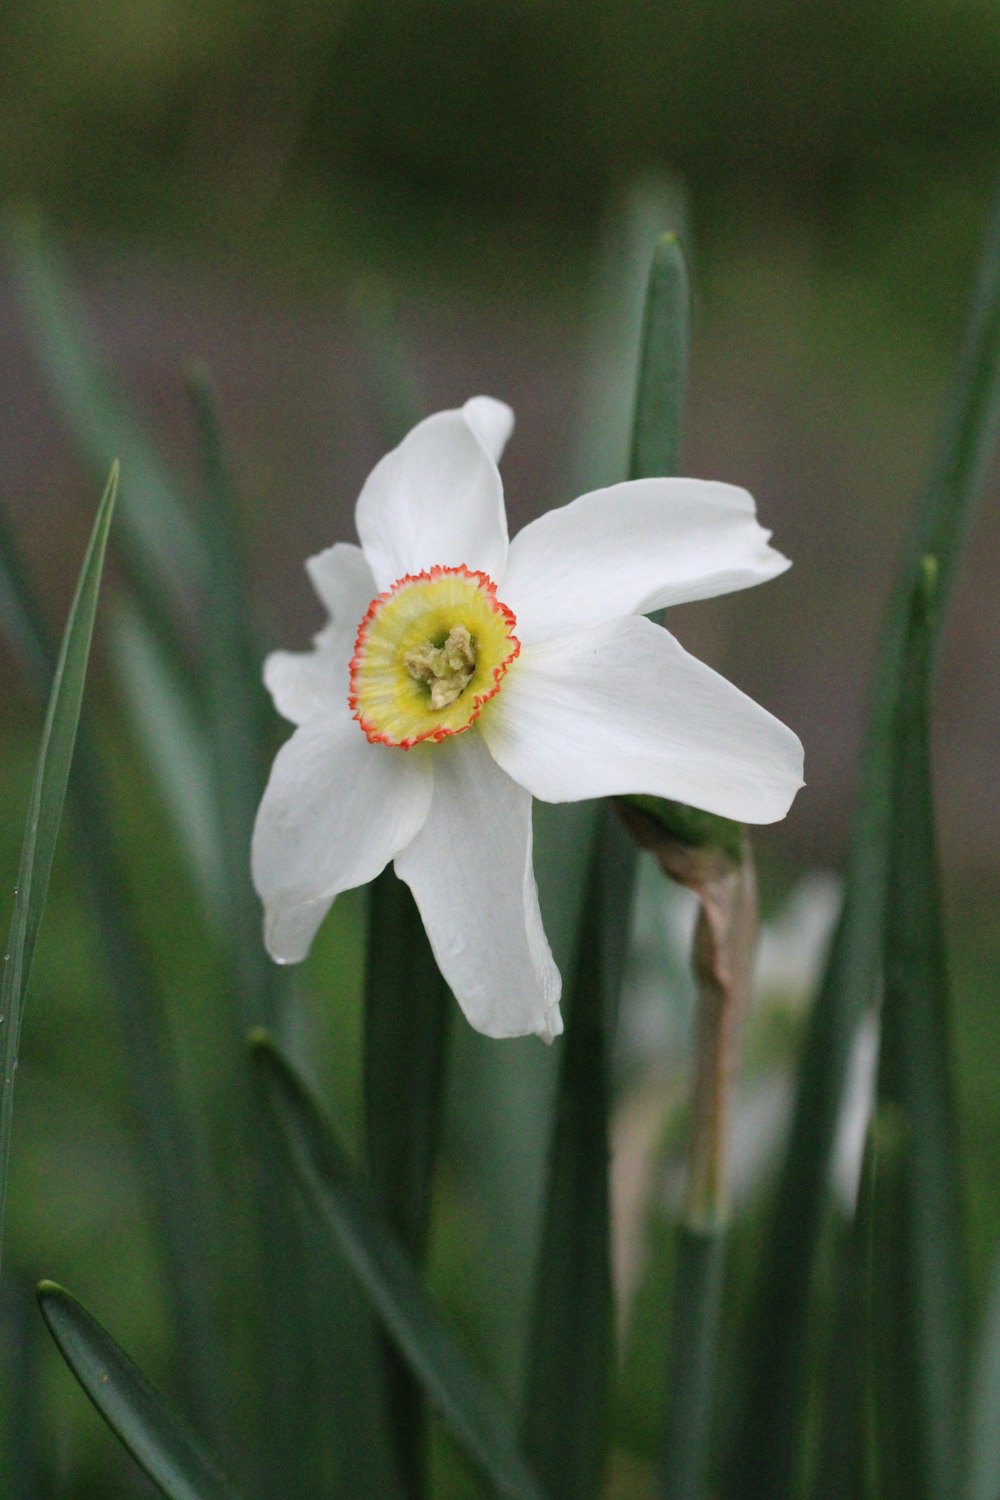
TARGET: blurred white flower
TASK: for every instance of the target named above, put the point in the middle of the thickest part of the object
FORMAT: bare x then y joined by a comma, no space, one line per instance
659,992
793,942
856,1111
459,676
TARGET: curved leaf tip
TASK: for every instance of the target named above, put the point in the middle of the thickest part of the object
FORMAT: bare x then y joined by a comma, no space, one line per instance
137,1413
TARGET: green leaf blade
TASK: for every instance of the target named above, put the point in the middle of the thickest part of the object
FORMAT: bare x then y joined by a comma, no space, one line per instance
571,1340
919,1290
180,1203
693,1357
407,1015
408,1010
477,1417
661,387
132,1407
45,813
663,366
237,741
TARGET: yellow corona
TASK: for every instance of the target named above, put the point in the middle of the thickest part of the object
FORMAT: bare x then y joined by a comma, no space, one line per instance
430,652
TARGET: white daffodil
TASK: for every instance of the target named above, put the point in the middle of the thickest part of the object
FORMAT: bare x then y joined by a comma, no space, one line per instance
461,675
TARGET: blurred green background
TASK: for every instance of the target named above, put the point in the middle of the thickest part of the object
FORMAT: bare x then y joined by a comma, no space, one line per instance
262,185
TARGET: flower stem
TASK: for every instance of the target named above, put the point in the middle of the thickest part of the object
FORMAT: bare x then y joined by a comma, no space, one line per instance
722,958
705,1203
723,878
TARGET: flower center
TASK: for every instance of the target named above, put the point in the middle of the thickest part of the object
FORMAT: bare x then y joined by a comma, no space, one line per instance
446,669
429,653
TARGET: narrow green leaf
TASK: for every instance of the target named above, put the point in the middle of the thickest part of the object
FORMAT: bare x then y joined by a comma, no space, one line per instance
842,1469
238,718
136,1412
346,1368
407,1016
157,535
331,1188
179,1201
663,366
656,445
694,1342
620,296
984,1406
44,814
570,1352
769,1446
919,1290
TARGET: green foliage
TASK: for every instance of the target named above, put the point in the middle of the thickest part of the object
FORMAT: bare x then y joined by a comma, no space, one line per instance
694,1355
334,1194
768,1456
663,365
570,1346
919,1295
48,793
133,1409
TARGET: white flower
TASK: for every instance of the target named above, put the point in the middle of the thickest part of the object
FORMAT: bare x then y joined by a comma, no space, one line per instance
459,676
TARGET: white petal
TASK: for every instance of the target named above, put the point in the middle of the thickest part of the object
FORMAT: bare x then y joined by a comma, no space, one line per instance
289,930
492,421
307,684
335,811
622,707
633,548
437,499
470,871
343,580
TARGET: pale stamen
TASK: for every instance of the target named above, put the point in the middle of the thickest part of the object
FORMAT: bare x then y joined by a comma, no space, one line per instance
446,669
